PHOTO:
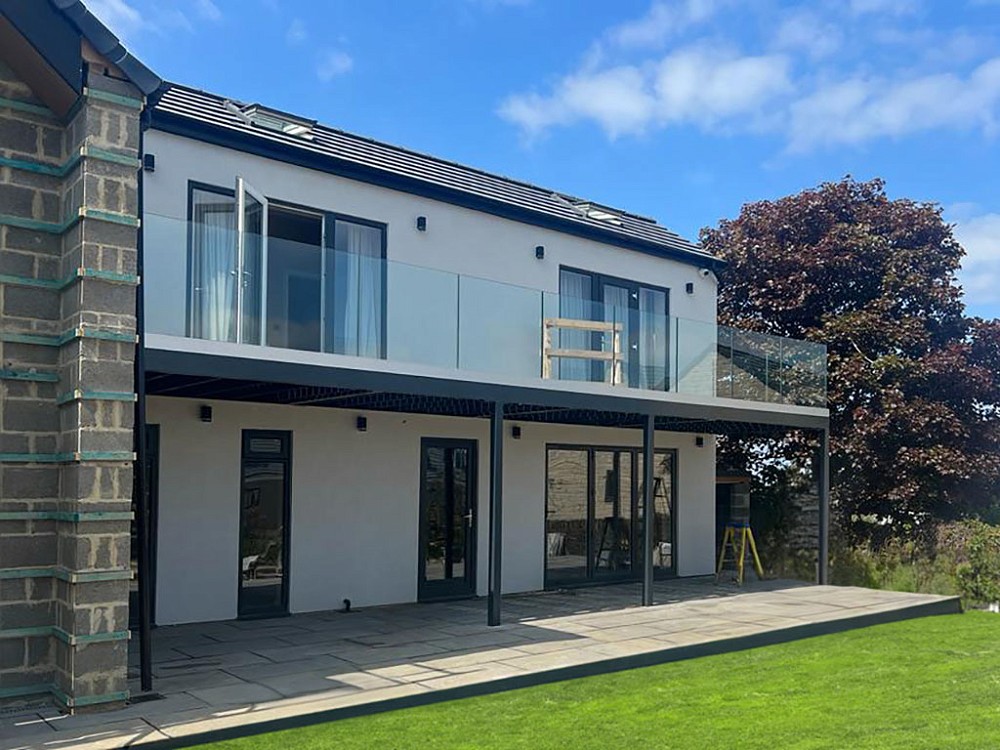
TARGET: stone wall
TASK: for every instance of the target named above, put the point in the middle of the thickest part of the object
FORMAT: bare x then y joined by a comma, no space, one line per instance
68,229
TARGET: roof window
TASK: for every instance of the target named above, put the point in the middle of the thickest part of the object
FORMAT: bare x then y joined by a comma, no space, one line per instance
273,119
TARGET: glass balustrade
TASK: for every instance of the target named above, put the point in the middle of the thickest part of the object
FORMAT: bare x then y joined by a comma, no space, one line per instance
202,281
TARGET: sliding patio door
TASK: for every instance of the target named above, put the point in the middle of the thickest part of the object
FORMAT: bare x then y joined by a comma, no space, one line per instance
593,514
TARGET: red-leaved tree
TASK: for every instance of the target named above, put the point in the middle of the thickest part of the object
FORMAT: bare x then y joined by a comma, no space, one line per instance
914,384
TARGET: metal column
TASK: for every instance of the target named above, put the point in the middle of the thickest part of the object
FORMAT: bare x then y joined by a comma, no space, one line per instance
648,509
496,512
823,487
140,488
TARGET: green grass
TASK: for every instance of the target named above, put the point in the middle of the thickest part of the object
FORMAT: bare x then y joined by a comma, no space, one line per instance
926,683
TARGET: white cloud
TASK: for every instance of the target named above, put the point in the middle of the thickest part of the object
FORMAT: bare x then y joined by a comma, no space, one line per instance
890,7
296,33
208,10
805,32
692,85
664,19
980,275
860,109
333,63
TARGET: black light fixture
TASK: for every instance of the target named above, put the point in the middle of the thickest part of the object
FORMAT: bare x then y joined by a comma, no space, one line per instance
515,432
205,413
149,162
699,441
421,223
539,251
689,287
362,424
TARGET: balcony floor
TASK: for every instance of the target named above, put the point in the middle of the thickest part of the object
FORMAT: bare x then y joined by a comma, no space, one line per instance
318,666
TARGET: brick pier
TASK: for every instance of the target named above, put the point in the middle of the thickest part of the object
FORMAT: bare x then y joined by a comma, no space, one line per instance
68,230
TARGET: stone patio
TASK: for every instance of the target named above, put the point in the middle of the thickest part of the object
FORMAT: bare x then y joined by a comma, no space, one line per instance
231,678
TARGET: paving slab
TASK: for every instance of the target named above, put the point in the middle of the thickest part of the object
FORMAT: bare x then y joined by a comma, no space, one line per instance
235,676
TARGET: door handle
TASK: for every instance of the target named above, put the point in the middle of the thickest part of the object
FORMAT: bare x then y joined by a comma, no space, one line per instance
468,519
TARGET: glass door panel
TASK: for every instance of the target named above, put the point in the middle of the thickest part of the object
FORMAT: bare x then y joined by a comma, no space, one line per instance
567,515
251,235
214,265
618,304
612,529
264,511
447,519
663,508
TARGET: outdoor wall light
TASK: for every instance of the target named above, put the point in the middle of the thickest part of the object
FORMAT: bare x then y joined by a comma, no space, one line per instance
149,162
689,287
205,413
362,424
539,251
515,432
699,441
421,223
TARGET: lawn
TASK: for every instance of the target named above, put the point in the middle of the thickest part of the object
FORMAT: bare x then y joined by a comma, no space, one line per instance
926,683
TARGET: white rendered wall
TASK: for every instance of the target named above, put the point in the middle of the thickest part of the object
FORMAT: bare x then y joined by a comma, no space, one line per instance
355,503
457,240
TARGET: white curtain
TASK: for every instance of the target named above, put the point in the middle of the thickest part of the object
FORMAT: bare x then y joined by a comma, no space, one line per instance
214,260
358,293
575,303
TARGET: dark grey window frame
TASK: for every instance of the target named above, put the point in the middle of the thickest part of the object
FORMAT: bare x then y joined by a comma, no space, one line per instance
329,217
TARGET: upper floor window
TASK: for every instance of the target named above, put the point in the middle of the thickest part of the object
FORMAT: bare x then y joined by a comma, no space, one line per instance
640,310
268,273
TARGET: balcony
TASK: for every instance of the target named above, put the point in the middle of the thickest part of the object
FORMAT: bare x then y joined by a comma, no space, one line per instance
222,286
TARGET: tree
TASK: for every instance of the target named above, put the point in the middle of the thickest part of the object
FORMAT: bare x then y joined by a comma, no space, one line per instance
913,385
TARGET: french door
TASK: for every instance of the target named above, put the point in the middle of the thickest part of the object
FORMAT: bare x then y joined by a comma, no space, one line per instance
265,508
447,558
251,262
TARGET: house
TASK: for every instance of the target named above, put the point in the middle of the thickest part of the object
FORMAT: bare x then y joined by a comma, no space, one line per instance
346,374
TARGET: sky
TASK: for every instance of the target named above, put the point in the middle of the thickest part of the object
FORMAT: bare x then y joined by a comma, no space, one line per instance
682,110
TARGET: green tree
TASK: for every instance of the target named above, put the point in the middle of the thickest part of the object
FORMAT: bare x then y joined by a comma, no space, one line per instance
914,383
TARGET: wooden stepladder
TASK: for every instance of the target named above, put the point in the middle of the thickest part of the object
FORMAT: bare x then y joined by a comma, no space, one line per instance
737,538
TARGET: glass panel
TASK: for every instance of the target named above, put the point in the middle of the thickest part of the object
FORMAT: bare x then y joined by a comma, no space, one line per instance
213,265
355,294
566,514
652,339
447,512
262,536
612,540
423,324
294,268
695,354
499,328
253,251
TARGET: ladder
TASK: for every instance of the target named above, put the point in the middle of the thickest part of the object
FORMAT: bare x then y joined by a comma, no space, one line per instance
738,539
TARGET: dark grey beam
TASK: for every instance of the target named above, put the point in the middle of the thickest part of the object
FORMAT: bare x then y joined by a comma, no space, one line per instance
301,373
648,509
823,486
496,512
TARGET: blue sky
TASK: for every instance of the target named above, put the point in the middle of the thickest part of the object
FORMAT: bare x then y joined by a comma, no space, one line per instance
678,109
